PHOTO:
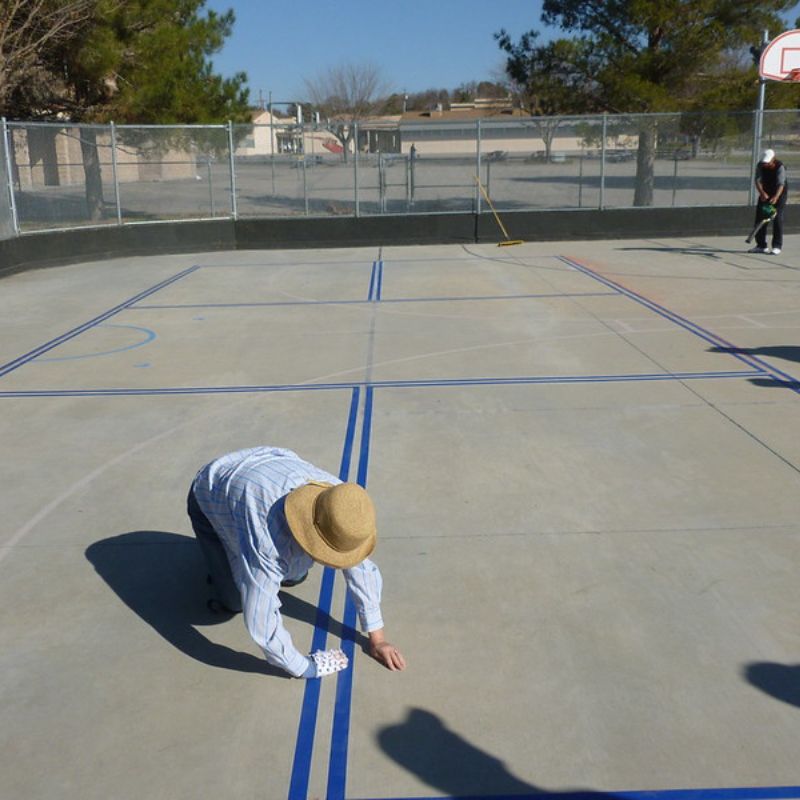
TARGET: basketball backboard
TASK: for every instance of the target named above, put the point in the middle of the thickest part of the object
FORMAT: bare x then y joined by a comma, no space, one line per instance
780,60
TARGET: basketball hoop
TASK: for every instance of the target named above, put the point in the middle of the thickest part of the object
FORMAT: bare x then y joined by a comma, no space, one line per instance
780,60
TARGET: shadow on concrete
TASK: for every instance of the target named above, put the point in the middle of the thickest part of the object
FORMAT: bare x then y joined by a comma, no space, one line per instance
423,745
718,183
788,352
697,250
781,681
774,383
161,577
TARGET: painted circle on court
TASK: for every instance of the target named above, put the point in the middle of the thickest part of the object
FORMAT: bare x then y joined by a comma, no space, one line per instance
146,336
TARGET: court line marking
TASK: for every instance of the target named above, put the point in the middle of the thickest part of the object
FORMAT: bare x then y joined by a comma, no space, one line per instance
304,744
746,793
712,338
150,335
442,299
340,730
64,337
387,384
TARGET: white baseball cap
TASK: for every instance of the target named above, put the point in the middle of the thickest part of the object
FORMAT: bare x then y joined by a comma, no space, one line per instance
767,156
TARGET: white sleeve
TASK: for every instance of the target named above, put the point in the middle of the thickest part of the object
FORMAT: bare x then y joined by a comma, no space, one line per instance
364,582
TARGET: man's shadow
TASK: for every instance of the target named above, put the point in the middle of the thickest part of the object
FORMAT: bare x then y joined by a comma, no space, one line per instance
441,758
784,351
787,352
781,681
161,577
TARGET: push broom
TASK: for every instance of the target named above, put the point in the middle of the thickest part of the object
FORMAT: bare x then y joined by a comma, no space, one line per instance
507,242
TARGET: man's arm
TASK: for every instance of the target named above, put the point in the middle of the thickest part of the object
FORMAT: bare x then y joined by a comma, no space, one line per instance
364,582
781,185
260,606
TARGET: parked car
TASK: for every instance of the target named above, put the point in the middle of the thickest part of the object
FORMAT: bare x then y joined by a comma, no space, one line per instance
620,154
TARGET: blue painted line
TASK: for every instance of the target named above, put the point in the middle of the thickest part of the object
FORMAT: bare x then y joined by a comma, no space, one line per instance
340,734
380,281
370,297
692,327
150,335
396,384
176,306
24,359
748,793
482,298
558,379
304,745
443,299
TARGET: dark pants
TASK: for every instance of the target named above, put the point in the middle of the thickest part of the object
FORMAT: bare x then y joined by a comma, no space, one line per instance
777,224
219,568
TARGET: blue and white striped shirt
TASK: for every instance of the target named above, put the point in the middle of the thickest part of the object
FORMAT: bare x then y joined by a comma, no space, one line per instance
242,495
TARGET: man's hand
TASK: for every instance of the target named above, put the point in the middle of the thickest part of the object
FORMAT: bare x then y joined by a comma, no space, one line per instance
384,652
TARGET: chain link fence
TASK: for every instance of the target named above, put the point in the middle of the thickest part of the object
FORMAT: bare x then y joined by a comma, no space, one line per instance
59,176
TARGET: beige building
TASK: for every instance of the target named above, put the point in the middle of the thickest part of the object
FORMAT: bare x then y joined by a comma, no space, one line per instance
275,134
503,129
51,155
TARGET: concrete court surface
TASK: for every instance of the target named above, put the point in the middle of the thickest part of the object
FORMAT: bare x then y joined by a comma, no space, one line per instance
585,459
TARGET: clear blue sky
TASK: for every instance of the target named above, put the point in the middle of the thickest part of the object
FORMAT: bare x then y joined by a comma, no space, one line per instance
418,44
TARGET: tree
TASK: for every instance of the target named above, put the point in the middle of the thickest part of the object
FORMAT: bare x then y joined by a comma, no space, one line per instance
346,95
639,56
137,61
29,30
546,82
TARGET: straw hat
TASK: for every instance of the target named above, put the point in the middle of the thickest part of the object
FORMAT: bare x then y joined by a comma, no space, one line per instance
335,525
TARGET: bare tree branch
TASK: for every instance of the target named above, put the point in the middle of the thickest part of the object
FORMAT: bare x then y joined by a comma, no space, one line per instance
345,95
27,29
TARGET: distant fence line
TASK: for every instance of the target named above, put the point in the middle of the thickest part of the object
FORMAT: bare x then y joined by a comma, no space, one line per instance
62,176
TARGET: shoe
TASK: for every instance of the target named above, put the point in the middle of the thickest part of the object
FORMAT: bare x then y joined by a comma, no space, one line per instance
776,251
759,250
287,584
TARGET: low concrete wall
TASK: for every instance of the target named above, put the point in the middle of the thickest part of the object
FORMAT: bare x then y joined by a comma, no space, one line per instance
91,244
88,244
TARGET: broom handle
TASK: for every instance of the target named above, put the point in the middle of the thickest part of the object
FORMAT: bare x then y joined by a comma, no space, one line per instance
486,197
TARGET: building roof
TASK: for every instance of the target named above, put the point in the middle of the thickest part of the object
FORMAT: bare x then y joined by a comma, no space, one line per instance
460,114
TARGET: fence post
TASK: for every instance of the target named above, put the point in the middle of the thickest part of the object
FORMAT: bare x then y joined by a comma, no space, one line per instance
758,125
408,182
603,163
10,178
381,184
114,171
305,176
674,179
478,166
234,211
355,168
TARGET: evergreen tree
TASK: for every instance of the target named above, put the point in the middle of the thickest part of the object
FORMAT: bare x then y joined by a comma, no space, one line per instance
639,56
137,61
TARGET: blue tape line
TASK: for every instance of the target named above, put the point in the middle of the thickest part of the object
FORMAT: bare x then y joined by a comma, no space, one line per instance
748,793
397,384
340,734
372,281
686,324
18,362
149,337
304,745
337,761
443,299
